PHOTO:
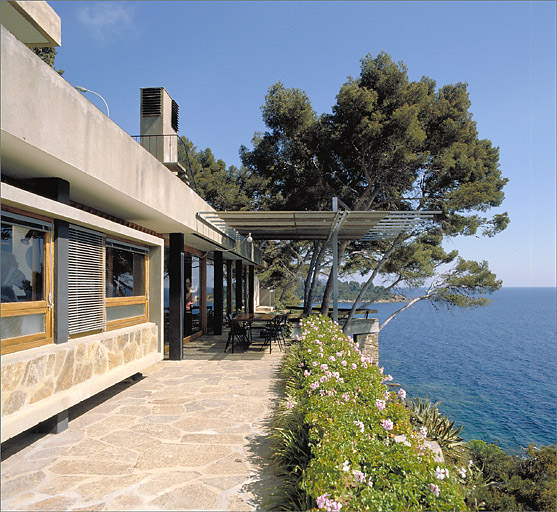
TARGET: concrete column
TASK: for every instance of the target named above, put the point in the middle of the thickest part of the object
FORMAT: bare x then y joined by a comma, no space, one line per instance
60,299
218,293
239,284
176,296
59,423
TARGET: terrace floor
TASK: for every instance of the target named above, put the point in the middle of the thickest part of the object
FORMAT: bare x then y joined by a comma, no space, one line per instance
190,435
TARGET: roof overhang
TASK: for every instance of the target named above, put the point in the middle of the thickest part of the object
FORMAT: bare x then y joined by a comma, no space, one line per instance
315,225
33,23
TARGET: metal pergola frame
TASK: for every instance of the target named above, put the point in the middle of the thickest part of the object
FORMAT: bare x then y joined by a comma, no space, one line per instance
334,225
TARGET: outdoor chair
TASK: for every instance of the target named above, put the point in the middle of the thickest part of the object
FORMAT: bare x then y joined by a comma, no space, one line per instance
274,331
239,332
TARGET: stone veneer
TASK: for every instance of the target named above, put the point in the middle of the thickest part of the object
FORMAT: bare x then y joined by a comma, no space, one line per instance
39,383
366,333
369,345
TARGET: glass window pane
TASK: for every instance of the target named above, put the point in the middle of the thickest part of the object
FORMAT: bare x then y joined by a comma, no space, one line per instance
195,292
15,326
119,312
210,294
22,263
125,273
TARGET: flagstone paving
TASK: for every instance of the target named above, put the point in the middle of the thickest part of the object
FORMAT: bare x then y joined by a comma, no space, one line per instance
190,435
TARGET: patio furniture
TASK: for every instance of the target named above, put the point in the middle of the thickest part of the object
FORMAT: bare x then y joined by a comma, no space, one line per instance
274,331
239,331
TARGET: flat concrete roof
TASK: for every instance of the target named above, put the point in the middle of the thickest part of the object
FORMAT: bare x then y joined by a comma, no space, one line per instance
33,23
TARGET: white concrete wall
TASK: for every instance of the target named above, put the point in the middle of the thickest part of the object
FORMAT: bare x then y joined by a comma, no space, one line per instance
51,129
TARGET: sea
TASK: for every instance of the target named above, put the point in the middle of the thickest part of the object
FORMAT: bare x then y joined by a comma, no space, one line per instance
493,368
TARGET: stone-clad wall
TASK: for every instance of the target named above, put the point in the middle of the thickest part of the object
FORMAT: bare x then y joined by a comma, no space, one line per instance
42,382
369,345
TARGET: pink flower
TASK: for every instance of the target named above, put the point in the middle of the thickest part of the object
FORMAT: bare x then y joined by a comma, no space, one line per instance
306,373
359,476
387,378
387,424
402,394
380,404
354,366
332,358
434,489
321,500
343,363
314,363
289,405
324,367
314,385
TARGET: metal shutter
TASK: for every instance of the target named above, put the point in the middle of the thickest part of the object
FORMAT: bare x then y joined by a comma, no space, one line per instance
85,281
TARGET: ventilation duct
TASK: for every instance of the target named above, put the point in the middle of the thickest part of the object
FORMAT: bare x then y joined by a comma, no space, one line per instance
159,125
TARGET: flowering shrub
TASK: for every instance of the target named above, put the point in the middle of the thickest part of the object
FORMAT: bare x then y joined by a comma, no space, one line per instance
337,435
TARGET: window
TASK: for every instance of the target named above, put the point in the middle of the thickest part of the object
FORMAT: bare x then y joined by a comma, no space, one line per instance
126,284
26,283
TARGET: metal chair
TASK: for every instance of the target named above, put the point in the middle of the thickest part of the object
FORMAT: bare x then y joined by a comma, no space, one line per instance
239,332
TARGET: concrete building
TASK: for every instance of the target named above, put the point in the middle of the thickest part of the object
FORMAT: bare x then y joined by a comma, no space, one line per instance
101,237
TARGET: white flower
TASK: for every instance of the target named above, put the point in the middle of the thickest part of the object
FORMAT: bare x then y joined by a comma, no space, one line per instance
402,394
441,474
360,425
346,466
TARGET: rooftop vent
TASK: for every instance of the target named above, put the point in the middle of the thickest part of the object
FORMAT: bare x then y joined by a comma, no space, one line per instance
159,127
174,120
151,102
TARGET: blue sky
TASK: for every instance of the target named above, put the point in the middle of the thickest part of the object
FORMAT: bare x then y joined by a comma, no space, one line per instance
217,60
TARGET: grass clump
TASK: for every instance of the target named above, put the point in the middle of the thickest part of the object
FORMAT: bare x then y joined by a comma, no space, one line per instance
337,435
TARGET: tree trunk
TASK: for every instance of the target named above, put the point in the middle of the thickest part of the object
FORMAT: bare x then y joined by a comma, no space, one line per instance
308,305
329,287
409,305
295,275
368,283
307,282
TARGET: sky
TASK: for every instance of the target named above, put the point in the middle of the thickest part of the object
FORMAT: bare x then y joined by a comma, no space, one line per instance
218,59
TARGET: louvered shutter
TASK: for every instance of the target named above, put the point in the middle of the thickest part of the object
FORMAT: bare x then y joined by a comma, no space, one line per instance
85,281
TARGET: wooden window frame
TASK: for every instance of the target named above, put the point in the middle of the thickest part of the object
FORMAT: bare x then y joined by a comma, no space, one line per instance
37,307
111,302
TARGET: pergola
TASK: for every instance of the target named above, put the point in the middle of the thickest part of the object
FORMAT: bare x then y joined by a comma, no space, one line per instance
334,226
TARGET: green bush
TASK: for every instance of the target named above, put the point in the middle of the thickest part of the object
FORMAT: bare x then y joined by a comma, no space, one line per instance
336,435
513,482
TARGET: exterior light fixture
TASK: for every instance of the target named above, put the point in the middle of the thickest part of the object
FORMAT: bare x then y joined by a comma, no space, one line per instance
249,239
82,89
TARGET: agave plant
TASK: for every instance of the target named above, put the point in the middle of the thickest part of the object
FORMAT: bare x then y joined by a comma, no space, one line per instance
439,427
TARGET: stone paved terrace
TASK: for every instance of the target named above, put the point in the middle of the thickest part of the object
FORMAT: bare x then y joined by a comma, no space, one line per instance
190,435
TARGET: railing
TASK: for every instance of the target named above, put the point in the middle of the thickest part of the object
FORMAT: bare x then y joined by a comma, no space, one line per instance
170,149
